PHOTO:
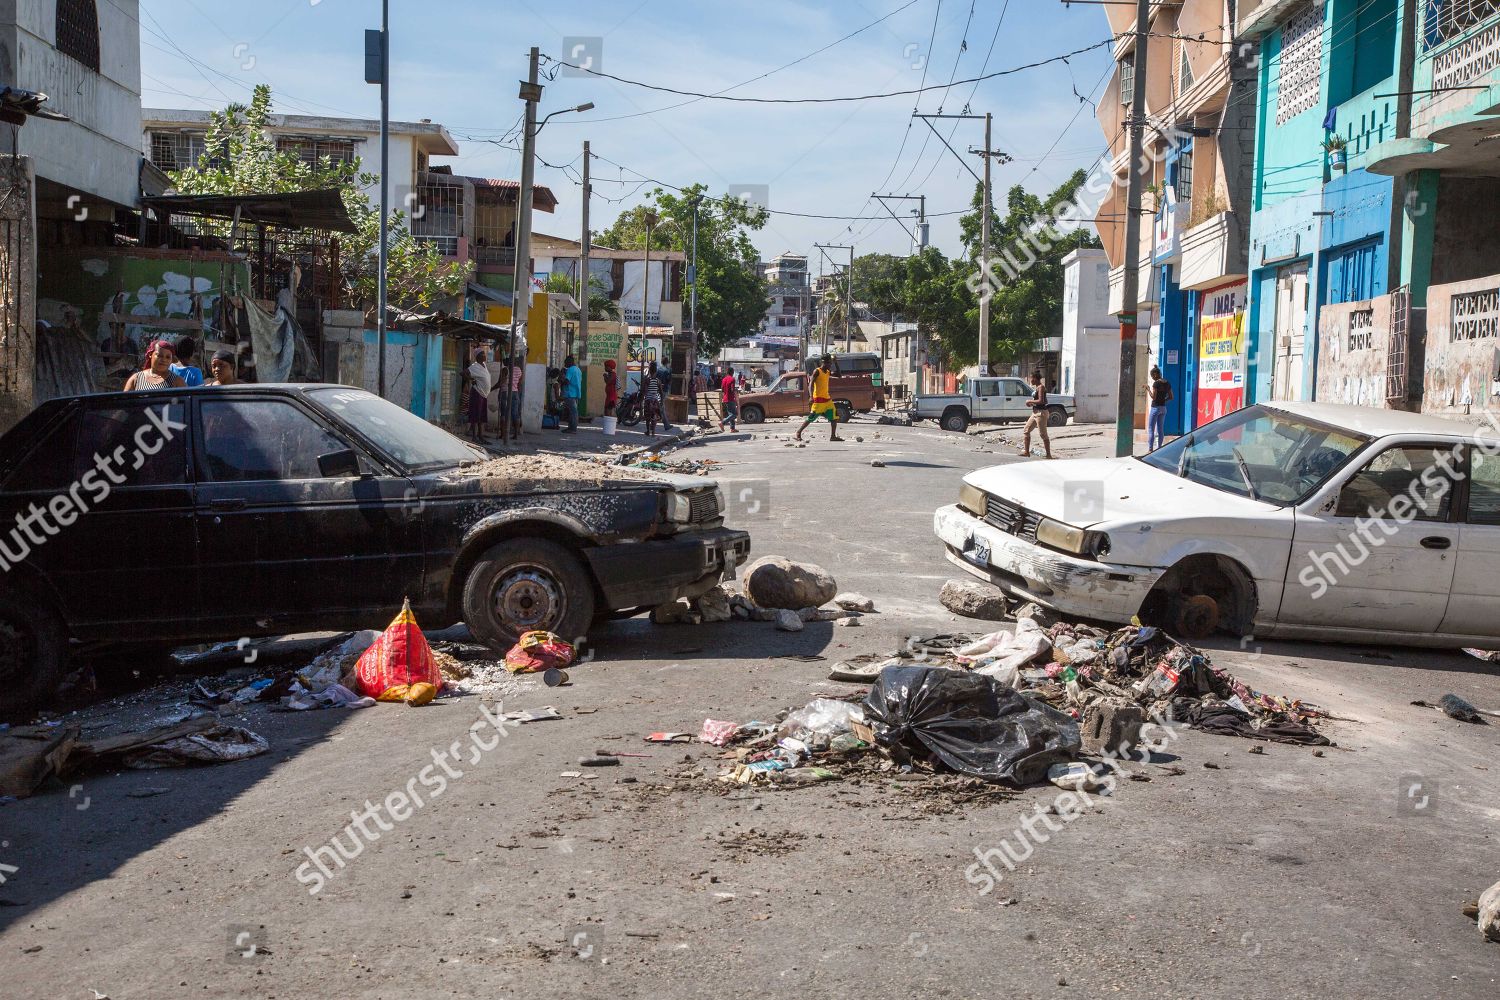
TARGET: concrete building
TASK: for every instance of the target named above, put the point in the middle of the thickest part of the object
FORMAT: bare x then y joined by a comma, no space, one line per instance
1200,138
790,293
1089,361
173,139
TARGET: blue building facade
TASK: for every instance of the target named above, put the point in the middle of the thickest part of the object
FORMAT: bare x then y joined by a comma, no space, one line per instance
1321,230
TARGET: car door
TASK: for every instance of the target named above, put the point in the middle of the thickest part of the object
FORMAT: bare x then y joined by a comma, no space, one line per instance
1475,595
126,564
1382,554
790,396
986,400
1017,392
282,544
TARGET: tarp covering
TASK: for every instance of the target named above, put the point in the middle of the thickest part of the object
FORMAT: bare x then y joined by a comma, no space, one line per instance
294,210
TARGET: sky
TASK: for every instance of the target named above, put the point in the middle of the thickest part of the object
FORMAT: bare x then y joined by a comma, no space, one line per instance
459,62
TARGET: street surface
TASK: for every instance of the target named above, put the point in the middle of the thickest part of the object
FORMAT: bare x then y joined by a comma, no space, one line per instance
1292,873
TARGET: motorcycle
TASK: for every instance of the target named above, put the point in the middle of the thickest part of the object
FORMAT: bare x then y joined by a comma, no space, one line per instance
631,410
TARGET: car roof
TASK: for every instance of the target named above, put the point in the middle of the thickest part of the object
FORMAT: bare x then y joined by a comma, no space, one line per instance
239,387
1377,422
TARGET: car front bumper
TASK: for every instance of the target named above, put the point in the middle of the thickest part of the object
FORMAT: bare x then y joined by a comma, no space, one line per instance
661,570
1067,584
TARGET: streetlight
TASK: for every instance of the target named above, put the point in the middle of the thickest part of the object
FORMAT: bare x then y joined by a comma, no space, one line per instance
531,93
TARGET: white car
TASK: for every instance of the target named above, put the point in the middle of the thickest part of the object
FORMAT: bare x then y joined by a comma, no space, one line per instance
1286,520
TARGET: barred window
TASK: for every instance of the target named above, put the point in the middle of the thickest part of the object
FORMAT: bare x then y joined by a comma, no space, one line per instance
314,151
1301,68
78,31
1127,79
176,150
1447,19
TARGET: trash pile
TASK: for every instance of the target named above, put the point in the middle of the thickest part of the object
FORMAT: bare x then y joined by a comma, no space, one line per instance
1016,708
680,466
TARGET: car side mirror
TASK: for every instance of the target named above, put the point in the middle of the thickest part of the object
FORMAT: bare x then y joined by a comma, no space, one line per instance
339,464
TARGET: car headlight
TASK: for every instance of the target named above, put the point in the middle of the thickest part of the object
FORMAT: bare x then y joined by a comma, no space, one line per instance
972,499
719,503
1079,541
679,509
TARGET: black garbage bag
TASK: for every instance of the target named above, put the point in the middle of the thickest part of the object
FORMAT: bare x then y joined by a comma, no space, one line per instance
968,721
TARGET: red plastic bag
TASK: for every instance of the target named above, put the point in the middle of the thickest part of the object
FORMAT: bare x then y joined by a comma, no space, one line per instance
538,651
400,656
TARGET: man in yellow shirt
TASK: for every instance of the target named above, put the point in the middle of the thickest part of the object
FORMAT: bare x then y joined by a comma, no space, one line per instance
822,400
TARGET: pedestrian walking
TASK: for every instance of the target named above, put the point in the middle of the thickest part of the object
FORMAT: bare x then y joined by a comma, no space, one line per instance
1156,415
822,400
664,378
1039,416
517,371
478,377
572,383
651,398
611,388
157,373
729,399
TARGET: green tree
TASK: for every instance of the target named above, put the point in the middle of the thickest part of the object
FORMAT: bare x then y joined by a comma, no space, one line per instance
600,305
872,274
240,157
732,297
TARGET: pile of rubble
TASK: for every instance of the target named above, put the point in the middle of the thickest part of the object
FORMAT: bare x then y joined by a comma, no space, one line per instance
776,589
1050,701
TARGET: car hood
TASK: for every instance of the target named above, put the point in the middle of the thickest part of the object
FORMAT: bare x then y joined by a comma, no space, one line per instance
1086,492
462,481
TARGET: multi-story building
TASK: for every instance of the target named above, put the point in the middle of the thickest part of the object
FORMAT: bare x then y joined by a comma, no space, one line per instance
790,293
1199,138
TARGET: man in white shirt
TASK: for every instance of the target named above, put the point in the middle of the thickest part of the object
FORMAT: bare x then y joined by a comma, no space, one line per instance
479,396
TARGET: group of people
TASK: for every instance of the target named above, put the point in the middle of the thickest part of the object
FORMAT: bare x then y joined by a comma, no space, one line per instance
481,384
169,365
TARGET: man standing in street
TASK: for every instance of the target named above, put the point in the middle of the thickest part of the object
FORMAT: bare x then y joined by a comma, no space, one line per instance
822,400
664,377
1039,416
479,396
729,400
572,382
1156,416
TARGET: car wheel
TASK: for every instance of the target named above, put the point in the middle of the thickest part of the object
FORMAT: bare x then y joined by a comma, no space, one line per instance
1195,616
752,414
845,412
33,653
526,585
1056,416
955,420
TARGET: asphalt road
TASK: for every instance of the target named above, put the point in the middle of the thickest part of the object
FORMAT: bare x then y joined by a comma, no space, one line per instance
1283,874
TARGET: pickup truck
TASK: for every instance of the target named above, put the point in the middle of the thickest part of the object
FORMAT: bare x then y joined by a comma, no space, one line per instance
789,396
152,520
989,400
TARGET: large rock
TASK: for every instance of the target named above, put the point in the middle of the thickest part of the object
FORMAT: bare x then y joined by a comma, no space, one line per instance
1044,617
788,621
777,582
1489,912
854,602
714,606
973,600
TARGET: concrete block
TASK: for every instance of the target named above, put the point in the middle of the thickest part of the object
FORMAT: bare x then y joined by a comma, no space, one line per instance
352,318
1112,726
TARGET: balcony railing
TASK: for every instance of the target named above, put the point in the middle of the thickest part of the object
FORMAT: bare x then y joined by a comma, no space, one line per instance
445,245
495,255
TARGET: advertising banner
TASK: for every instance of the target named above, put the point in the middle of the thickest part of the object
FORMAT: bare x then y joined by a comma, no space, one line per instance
1221,353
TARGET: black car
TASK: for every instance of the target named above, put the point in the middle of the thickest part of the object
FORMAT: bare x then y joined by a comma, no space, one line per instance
196,515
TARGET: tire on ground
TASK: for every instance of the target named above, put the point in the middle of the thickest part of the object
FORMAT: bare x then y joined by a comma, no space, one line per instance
33,652
1056,416
524,584
752,414
844,411
955,419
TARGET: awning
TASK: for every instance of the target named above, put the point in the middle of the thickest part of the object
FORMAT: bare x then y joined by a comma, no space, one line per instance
446,325
322,209
478,291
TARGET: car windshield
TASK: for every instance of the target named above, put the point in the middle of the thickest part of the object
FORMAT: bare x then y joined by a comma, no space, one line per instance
1260,453
400,433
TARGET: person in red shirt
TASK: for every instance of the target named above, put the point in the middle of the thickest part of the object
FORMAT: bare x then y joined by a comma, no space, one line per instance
729,396
611,388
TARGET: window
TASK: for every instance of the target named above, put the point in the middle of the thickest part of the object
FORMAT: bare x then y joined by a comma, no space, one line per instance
246,440
1484,488
1447,19
1127,79
49,465
1413,472
1184,71
78,31
176,150
1184,183
145,444
1300,69
986,387
314,151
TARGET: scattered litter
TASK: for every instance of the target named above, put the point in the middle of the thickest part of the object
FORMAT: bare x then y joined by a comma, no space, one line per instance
669,738
554,677
876,464
598,761
544,714
537,652
717,732
400,656
216,746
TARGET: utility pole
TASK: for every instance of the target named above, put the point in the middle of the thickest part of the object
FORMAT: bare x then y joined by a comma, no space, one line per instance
984,258
848,291
531,93
584,245
1125,414
378,70
693,273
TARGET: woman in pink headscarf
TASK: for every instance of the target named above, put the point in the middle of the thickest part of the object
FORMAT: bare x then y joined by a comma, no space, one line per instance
157,373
